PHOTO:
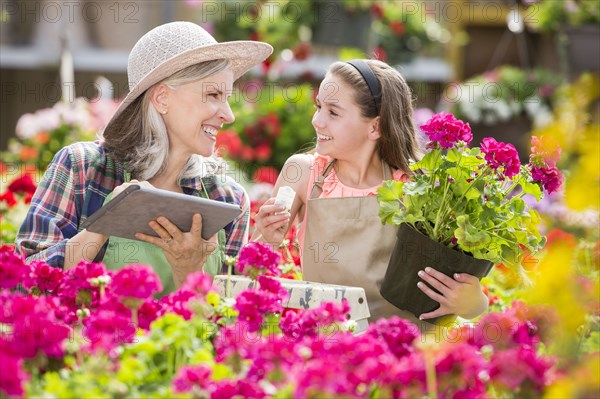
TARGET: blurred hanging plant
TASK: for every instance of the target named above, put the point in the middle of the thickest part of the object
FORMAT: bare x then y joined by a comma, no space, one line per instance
402,31
551,15
506,93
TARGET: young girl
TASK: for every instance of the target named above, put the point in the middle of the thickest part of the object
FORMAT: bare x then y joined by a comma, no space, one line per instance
365,135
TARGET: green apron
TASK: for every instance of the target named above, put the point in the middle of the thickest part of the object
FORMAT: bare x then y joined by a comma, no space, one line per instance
122,251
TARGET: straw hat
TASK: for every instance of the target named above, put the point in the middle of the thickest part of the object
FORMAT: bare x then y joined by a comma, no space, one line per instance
171,47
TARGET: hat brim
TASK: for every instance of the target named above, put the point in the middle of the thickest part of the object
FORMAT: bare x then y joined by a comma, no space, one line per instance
243,56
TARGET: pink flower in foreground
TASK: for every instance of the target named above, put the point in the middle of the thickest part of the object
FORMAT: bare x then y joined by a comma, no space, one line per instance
43,276
521,367
13,375
136,281
76,290
33,326
446,130
309,322
257,258
177,302
550,178
499,154
397,333
190,378
13,269
107,329
198,282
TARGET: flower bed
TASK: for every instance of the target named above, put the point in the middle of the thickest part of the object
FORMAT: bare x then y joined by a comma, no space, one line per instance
92,332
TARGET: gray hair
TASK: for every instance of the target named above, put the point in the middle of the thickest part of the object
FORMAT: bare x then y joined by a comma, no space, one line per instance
139,135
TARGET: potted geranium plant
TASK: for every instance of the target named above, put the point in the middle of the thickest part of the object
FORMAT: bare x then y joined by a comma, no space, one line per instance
463,209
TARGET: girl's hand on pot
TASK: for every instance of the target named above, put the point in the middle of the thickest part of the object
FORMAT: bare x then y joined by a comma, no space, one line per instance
185,252
461,295
272,222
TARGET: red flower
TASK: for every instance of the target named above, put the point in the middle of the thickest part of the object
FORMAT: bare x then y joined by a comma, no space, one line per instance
230,142
265,174
302,51
380,54
247,153
377,11
499,154
263,152
22,185
550,178
397,27
557,235
270,124
9,198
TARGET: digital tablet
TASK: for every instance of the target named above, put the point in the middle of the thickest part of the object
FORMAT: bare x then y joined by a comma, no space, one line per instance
131,211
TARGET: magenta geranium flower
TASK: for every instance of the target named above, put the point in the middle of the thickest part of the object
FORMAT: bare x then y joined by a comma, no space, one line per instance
136,281
190,378
105,329
398,334
43,276
177,302
34,328
445,129
13,269
13,376
501,155
550,178
257,258
198,282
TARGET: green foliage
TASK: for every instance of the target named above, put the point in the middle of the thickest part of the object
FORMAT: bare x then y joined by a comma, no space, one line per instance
551,15
272,125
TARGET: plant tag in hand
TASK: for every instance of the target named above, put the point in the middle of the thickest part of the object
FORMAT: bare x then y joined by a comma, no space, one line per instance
285,197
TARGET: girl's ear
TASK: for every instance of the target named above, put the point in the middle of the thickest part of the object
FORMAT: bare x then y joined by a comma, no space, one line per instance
374,133
159,97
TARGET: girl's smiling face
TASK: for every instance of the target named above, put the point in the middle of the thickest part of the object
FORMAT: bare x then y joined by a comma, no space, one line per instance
342,132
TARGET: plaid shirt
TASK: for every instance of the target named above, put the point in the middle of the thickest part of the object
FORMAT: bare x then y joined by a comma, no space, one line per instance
74,187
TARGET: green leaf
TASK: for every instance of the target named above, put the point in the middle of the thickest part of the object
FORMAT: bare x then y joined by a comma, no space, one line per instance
388,210
469,236
453,155
418,187
430,162
390,190
532,189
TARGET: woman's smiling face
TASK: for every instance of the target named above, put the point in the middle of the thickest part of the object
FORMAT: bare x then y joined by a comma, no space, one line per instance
196,112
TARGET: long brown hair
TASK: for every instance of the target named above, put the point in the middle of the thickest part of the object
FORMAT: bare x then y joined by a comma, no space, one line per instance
399,141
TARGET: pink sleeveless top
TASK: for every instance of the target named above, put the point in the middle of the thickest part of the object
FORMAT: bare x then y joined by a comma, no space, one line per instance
333,188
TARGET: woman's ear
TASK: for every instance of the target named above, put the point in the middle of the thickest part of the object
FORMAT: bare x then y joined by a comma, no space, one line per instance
374,133
159,97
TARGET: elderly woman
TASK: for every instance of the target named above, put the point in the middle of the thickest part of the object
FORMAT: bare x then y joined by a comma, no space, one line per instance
163,135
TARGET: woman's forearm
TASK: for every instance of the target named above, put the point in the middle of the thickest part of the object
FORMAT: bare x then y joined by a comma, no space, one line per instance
84,245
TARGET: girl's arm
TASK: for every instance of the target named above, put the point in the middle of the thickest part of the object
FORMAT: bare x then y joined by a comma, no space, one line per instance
272,227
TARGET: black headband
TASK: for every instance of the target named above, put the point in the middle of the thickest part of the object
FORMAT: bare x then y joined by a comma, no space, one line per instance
367,73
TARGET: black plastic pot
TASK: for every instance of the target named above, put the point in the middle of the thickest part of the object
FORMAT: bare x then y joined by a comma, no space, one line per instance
413,252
